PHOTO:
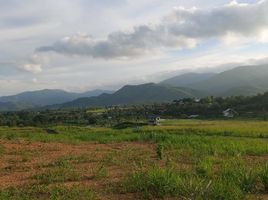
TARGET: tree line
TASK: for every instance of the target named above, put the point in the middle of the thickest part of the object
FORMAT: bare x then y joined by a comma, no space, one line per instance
205,108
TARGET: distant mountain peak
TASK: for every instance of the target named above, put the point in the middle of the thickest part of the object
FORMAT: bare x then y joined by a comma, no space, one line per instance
247,80
184,80
48,97
134,94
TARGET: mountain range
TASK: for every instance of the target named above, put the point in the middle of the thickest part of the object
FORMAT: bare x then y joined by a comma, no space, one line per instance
246,80
187,79
134,94
45,97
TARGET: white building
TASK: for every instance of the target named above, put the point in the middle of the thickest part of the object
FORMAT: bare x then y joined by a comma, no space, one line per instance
229,113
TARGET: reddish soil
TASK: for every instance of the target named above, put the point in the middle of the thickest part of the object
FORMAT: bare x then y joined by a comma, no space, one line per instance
22,160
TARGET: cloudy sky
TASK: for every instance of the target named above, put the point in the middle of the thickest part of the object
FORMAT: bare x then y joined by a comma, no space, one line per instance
87,44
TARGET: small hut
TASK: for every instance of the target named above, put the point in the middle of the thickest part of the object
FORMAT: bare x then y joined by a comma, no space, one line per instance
229,113
154,120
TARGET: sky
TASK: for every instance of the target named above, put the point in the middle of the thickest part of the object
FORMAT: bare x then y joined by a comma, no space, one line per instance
88,44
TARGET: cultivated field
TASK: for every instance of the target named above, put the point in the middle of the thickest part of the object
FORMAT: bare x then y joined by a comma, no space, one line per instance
180,159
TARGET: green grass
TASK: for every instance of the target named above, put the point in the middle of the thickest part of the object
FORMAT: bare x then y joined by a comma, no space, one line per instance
99,172
72,134
191,159
163,183
264,177
2,149
152,183
62,171
58,192
234,180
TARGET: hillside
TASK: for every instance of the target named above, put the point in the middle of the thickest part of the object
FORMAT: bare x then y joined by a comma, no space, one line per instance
9,106
145,93
184,80
48,97
247,80
243,91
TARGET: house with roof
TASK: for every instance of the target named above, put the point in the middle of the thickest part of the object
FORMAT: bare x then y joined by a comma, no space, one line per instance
229,113
154,120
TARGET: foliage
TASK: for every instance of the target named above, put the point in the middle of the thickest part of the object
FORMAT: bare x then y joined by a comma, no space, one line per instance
125,116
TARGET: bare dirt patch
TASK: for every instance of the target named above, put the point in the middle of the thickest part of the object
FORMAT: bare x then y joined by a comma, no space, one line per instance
98,165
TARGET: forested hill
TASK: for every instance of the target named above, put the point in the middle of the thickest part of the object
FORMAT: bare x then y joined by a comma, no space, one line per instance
134,94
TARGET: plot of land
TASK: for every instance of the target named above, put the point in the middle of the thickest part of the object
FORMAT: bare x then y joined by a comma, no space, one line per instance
177,160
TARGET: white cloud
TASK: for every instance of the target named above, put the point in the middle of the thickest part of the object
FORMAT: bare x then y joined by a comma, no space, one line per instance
34,80
33,68
222,32
183,28
142,41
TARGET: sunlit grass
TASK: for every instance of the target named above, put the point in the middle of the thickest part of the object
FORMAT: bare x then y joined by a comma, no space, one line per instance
185,159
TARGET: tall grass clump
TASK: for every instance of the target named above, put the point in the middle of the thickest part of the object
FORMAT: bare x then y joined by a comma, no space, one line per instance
45,192
264,177
237,172
99,172
2,149
153,183
62,171
223,189
204,167
159,151
59,192
156,183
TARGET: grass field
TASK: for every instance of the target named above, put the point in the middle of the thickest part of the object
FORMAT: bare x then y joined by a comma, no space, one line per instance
180,159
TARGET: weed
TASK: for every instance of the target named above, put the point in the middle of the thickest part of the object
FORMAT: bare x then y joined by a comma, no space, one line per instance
225,190
153,183
70,194
2,149
110,159
99,172
205,167
237,171
44,192
159,151
63,171
163,183
264,177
